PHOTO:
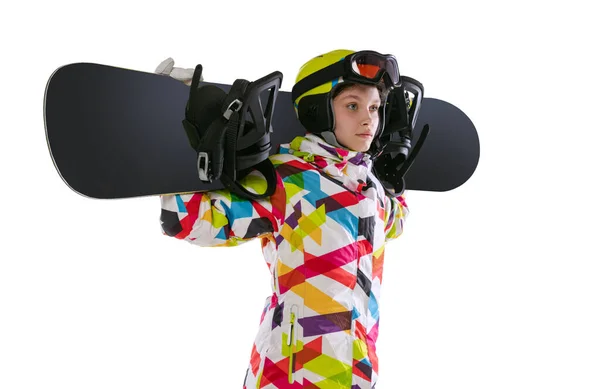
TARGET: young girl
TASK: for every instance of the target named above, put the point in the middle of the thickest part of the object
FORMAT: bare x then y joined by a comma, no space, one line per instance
322,232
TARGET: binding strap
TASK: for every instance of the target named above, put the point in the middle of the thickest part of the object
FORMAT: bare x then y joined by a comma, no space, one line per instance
236,166
214,123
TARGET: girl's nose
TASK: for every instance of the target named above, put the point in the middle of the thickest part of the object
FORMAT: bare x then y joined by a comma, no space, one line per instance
367,118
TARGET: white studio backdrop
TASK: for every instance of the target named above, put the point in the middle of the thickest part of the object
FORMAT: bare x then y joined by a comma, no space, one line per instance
492,285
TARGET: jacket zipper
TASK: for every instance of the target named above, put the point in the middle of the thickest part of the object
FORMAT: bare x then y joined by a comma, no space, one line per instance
291,342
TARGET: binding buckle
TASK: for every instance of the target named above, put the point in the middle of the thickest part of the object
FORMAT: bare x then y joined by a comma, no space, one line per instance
231,109
203,166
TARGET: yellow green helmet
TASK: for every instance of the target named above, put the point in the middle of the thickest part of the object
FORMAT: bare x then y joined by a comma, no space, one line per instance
316,64
318,79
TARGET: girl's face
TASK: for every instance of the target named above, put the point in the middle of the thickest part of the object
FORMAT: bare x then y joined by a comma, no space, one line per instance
356,116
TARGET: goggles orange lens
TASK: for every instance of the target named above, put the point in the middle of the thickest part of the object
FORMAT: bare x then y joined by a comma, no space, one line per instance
369,71
370,65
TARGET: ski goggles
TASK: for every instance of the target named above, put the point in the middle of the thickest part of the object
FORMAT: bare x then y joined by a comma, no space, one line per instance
365,67
370,66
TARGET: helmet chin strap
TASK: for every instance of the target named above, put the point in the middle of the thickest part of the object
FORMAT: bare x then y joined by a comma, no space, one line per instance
330,138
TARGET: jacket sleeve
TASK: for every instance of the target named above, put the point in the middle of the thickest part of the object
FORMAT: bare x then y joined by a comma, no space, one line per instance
396,212
221,218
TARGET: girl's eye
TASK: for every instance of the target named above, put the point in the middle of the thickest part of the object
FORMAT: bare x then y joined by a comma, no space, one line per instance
354,107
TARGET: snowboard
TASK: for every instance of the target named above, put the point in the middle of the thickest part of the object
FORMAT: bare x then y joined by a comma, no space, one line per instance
117,133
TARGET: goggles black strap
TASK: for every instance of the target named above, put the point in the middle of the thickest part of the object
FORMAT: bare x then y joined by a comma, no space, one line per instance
324,75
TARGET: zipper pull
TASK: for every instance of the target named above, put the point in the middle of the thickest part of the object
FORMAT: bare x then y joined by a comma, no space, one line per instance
289,342
290,328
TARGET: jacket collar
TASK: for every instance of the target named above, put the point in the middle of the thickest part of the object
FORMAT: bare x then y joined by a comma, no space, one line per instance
335,161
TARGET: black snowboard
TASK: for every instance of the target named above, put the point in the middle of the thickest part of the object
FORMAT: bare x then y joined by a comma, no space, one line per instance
118,133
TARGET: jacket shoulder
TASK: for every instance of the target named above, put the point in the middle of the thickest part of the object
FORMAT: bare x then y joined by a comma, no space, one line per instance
283,161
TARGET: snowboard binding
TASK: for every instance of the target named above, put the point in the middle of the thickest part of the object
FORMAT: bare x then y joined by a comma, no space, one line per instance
231,131
394,153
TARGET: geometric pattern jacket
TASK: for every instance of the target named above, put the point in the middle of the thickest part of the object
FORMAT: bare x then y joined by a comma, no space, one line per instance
322,234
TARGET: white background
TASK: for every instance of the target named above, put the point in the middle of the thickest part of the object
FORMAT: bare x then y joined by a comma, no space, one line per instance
493,285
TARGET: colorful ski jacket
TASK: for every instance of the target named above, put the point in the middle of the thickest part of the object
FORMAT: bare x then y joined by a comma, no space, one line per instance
322,234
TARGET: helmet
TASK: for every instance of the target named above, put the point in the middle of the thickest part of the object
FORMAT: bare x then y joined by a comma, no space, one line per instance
318,79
